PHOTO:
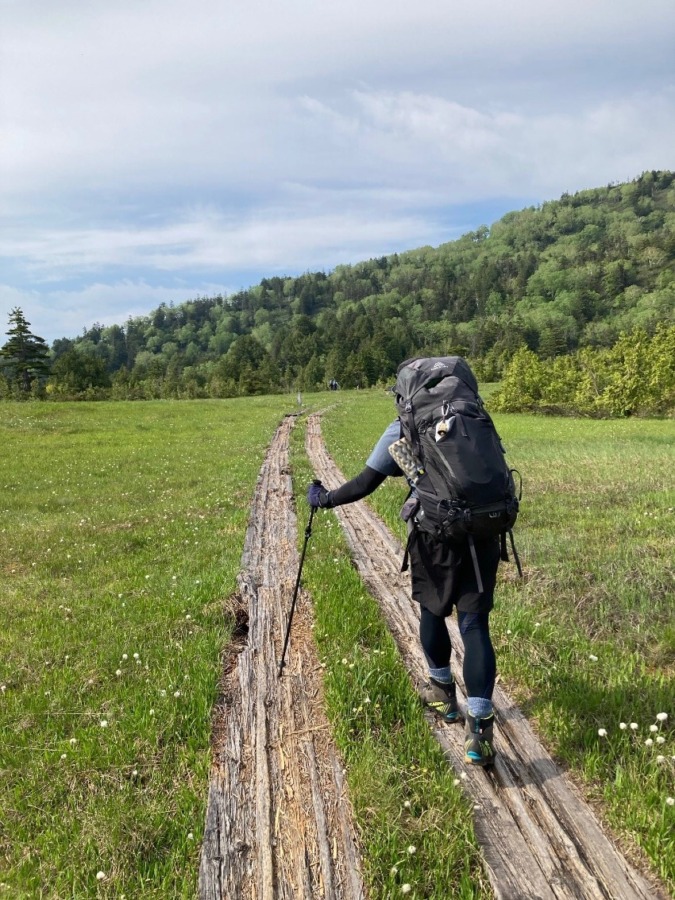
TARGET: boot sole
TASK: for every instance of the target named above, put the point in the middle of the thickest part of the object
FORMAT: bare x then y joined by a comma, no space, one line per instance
453,717
483,763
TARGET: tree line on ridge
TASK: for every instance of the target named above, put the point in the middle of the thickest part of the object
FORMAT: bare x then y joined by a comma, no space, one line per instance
565,278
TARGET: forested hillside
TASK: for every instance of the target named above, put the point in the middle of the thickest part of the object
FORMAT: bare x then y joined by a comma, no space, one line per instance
572,273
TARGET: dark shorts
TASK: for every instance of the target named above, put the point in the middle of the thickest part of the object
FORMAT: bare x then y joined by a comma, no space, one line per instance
443,574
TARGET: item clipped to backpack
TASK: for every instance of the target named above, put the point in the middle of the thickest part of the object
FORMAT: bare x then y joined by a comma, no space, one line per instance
453,457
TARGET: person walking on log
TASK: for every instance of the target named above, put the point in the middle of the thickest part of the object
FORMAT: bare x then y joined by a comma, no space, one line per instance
446,574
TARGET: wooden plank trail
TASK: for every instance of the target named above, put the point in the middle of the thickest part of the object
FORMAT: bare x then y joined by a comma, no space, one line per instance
539,838
278,822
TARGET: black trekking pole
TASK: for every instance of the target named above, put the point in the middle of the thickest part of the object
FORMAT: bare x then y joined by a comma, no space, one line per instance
308,534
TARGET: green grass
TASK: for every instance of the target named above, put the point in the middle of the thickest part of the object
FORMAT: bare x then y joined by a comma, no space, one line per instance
587,641
121,530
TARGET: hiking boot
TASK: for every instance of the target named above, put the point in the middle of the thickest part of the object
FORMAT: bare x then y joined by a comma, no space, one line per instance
441,698
478,747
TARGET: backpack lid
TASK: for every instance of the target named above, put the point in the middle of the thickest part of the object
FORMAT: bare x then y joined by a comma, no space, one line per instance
419,373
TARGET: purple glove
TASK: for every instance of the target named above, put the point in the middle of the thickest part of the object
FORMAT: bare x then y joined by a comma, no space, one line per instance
318,496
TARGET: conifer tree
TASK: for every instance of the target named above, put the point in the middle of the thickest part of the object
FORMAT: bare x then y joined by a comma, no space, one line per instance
25,355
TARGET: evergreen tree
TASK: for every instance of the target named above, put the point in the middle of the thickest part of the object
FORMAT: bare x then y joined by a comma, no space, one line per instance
25,355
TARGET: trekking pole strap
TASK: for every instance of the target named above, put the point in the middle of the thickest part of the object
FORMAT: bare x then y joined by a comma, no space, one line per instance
406,555
474,557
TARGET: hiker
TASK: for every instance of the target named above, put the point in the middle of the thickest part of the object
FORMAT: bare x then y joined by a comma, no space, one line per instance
445,573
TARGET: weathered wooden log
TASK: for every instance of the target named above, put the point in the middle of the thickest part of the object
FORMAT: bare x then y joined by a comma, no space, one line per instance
277,803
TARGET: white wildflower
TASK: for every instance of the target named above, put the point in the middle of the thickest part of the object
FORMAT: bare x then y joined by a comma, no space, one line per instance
602,732
103,723
412,849
649,742
405,888
670,801
118,672
662,716
593,658
623,726
100,876
190,836
660,739
653,728
633,726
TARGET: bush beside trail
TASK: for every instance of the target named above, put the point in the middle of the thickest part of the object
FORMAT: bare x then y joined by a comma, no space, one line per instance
634,377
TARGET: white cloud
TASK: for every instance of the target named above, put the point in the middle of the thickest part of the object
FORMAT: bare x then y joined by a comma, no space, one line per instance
207,240
462,153
150,142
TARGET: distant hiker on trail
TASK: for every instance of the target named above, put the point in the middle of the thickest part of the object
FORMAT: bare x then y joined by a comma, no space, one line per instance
454,556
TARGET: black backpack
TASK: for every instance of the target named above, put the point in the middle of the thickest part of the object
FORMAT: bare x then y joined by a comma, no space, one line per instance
452,454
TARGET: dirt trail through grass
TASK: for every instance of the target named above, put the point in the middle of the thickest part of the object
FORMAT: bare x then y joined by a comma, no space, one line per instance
539,838
278,821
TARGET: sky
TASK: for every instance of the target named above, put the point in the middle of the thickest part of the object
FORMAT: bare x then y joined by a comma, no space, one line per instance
161,151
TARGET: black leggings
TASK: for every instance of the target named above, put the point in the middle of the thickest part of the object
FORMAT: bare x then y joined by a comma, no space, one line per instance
480,666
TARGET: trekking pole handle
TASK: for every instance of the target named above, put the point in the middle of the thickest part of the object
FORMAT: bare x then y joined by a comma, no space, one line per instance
308,529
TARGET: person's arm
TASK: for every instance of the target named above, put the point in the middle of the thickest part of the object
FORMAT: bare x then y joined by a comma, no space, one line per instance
379,466
356,489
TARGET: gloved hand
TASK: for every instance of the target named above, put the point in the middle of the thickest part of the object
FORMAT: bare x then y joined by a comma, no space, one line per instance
318,496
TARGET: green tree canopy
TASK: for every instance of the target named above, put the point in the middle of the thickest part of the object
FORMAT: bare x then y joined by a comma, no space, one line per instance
25,356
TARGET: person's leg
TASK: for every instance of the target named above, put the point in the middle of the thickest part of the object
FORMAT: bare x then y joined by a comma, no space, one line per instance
473,611
440,694
432,565
435,642
480,664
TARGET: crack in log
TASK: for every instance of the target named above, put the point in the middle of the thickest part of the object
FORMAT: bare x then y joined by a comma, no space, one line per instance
278,821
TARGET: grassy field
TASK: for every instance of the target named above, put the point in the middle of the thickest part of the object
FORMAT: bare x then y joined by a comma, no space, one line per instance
586,643
121,529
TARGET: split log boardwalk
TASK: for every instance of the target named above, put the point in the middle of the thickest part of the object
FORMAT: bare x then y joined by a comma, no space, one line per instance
278,823
539,838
